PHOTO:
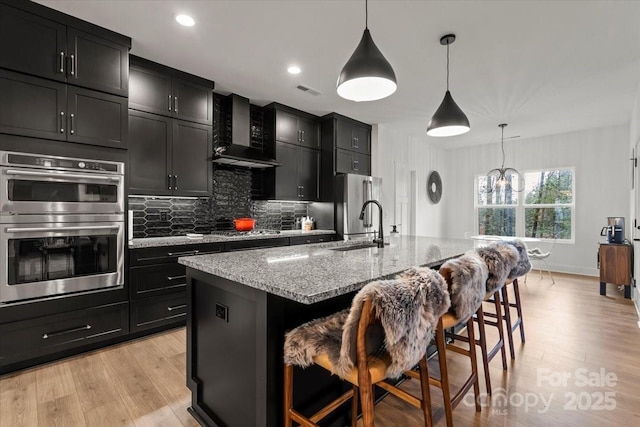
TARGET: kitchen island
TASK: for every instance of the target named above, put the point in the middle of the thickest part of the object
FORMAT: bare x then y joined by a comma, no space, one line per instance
241,304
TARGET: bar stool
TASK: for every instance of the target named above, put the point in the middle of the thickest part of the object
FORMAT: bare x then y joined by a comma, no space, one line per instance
388,318
465,277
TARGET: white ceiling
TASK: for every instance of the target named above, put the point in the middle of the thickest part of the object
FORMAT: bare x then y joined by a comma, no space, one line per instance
542,67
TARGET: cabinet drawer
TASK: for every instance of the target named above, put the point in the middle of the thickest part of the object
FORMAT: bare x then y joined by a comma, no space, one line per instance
163,310
303,240
157,279
31,338
255,244
167,254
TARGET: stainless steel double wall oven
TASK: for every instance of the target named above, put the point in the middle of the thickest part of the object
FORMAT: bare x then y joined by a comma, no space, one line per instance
61,225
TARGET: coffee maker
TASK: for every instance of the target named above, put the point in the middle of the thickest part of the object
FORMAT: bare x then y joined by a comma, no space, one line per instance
614,230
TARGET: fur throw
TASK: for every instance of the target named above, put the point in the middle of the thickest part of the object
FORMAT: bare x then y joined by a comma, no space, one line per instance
466,277
524,265
500,260
407,310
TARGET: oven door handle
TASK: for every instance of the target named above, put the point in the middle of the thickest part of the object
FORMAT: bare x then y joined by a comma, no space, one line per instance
56,229
61,175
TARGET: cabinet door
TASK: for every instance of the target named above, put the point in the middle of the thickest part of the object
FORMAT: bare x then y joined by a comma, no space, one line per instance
361,137
96,118
287,128
150,90
31,44
158,311
344,135
308,170
309,133
97,63
351,162
149,154
30,106
191,159
287,174
192,101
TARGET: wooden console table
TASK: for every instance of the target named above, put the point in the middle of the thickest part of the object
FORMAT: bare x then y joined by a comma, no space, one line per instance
615,267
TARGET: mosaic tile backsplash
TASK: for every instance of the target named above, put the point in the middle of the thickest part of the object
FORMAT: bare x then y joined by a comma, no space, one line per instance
159,217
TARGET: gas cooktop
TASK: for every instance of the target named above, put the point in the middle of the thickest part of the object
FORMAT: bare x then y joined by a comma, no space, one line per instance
231,233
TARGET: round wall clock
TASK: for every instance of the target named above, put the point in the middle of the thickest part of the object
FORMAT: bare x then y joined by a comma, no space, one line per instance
434,187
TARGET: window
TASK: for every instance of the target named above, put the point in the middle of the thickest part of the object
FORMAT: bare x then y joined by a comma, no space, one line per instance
545,209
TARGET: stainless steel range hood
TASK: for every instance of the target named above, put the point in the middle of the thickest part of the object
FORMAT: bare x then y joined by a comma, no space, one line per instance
240,152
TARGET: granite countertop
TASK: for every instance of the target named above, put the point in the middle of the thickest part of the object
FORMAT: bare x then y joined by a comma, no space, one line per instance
313,273
151,242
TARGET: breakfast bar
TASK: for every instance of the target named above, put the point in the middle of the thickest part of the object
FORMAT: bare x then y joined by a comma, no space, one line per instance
240,304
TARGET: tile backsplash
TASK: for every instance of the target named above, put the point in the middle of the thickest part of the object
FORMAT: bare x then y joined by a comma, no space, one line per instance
158,217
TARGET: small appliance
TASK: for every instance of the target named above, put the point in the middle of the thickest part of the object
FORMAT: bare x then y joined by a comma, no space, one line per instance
614,231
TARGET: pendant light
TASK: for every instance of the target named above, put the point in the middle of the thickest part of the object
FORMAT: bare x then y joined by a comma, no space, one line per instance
503,178
367,75
448,120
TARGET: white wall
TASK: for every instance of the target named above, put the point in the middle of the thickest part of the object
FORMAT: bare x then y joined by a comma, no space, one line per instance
400,160
634,208
599,156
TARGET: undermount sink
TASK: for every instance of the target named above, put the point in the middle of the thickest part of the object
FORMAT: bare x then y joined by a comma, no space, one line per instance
355,247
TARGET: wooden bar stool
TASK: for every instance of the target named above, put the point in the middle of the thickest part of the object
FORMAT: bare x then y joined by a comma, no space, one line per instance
465,277
381,336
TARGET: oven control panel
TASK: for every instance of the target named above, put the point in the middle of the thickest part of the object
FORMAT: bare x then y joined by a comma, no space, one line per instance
61,163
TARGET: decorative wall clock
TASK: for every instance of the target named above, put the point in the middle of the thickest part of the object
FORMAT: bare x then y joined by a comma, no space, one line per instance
434,187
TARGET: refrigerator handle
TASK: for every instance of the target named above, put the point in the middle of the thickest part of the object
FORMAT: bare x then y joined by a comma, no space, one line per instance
368,194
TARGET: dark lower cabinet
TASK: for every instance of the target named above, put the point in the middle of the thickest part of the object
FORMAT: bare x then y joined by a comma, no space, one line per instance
165,310
29,339
316,238
40,108
158,279
168,156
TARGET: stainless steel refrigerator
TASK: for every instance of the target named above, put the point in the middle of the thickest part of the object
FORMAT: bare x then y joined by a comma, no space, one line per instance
351,193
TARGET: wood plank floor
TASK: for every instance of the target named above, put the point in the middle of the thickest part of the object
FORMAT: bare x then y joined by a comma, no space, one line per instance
573,333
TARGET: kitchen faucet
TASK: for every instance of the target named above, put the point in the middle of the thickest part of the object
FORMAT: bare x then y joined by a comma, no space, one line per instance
380,239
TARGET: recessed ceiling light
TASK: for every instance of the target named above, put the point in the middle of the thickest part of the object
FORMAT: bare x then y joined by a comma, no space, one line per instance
294,69
185,20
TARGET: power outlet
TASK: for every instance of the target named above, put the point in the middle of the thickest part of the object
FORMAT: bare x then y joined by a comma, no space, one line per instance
222,311
163,215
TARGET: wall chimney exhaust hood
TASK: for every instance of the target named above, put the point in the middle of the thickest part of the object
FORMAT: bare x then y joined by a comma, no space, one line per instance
234,147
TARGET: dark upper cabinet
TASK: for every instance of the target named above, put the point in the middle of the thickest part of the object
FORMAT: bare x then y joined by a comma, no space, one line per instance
353,137
41,108
168,156
294,129
352,162
32,44
97,63
297,178
43,47
157,89
308,171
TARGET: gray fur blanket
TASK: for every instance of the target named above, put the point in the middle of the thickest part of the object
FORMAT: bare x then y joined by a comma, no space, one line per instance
524,265
407,310
466,277
500,260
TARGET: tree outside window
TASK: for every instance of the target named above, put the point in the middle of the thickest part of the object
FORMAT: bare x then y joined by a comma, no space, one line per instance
545,209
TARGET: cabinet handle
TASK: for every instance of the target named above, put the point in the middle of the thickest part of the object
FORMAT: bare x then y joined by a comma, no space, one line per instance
71,131
354,143
62,62
66,331
73,65
175,177
169,180
187,253
302,191
61,121
176,307
302,135
169,102
355,165
175,104
176,277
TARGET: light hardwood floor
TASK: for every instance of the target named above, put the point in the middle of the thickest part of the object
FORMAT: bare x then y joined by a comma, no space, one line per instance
572,333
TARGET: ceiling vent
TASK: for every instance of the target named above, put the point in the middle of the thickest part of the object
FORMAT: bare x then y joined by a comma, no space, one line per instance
308,90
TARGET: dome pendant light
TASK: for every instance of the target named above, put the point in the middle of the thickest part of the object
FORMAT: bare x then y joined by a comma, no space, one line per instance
448,120
503,178
367,75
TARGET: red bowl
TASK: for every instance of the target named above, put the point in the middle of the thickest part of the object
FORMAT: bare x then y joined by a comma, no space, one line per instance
244,224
